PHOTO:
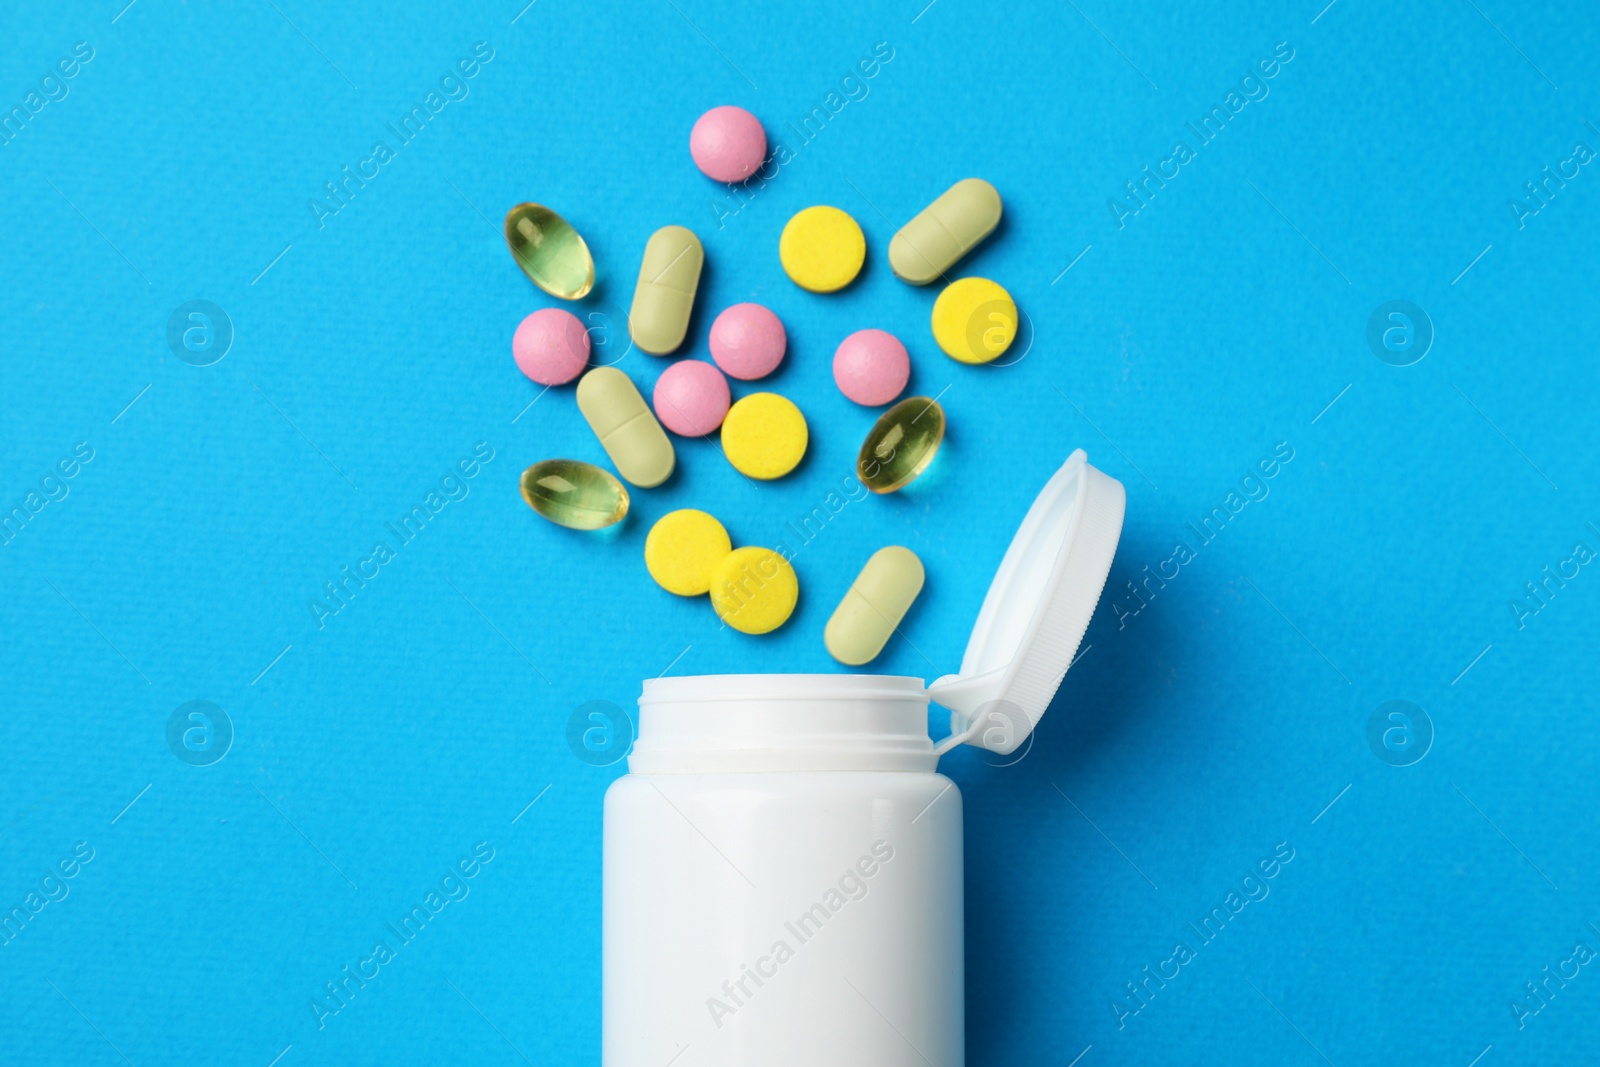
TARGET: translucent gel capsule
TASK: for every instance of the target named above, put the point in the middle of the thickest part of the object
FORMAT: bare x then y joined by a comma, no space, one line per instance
550,251
579,496
901,444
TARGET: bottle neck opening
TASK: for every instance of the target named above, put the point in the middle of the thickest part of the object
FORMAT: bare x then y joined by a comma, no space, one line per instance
775,723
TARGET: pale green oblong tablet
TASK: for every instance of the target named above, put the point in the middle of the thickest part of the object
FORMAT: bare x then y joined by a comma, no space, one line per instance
664,297
626,427
878,599
944,231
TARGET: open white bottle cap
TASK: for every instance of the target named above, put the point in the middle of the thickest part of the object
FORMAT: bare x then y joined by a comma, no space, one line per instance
1037,608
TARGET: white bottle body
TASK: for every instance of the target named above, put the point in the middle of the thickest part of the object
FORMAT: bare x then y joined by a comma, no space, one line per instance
783,918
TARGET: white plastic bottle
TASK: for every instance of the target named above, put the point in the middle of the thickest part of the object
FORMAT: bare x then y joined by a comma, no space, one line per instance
783,863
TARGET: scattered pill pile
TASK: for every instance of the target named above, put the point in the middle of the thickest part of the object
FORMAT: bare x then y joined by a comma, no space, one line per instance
763,435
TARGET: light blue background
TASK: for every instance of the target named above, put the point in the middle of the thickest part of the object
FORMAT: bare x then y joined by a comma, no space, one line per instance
423,718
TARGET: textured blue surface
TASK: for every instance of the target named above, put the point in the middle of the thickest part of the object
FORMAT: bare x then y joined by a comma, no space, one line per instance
1212,720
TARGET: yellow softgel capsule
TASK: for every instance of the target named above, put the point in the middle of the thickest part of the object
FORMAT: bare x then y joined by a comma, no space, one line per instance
974,320
754,590
901,444
764,436
574,494
550,252
682,550
822,249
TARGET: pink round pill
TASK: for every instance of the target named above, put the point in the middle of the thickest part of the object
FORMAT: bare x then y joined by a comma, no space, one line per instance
691,398
871,367
728,144
748,341
551,346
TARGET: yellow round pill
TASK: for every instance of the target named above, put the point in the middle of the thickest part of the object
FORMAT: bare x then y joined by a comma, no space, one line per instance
754,590
682,550
974,320
822,249
764,435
